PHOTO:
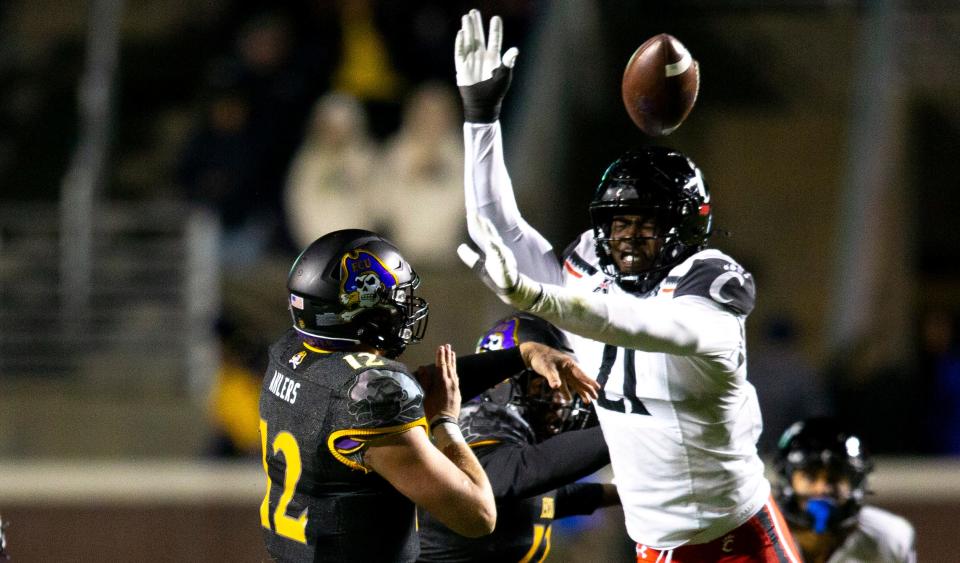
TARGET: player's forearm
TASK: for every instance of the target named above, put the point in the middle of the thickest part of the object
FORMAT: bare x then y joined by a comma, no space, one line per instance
620,320
479,372
488,192
518,472
584,498
474,492
462,456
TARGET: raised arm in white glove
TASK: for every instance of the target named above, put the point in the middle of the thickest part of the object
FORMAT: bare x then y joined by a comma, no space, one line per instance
482,75
497,266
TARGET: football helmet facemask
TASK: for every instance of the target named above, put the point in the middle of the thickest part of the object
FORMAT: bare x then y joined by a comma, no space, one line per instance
353,287
813,445
543,408
654,183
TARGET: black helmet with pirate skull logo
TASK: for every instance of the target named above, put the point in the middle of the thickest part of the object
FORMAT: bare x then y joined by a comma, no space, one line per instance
353,286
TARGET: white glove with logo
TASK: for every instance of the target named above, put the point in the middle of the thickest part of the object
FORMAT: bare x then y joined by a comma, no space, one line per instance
497,266
482,75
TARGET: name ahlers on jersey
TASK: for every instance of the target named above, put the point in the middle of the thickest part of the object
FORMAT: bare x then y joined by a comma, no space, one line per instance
284,387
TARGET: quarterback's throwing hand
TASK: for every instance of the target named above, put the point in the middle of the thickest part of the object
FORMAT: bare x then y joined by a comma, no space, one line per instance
482,74
441,385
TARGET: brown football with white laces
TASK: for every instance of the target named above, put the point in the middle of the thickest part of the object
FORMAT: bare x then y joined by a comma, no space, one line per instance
660,85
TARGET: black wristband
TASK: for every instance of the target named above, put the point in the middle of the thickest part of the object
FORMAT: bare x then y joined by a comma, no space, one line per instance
442,419
481,101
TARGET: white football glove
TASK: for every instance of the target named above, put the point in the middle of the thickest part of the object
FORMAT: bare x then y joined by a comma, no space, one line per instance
497,266
483,77
476,58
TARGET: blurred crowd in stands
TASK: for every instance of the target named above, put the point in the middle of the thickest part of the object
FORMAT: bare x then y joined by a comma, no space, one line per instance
286,120
322,118
293,118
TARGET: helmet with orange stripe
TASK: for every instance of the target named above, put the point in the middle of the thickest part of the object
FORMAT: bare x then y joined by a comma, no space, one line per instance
651,211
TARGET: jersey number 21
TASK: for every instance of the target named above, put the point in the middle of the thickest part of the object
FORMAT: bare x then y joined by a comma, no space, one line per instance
629,382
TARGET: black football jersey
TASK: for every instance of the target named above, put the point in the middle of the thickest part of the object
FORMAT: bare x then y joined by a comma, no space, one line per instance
524,477
317,411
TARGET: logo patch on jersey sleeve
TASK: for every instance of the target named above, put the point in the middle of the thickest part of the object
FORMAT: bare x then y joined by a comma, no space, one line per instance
548,508
722,281
297,359
577,266
384,398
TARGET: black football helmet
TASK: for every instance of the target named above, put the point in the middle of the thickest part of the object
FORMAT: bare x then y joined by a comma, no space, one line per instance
547,413
3,540
652,182
811,445
353,286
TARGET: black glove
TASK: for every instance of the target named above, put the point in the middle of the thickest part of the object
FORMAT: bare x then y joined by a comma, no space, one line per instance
481,101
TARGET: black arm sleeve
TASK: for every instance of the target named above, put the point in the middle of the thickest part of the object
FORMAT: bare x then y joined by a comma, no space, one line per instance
517,471
578,498
479,372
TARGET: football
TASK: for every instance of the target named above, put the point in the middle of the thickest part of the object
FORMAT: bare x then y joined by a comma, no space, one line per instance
660,85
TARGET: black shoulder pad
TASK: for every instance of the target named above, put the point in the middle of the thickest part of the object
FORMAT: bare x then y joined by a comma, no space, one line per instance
382,398
486,422
721,280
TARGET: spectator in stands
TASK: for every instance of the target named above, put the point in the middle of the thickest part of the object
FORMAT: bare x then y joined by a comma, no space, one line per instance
941,360
328,185
422,173
248,156
217,171
234,399
365,70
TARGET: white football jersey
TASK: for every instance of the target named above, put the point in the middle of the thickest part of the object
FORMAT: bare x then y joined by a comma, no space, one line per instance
679,417
681,424
880,537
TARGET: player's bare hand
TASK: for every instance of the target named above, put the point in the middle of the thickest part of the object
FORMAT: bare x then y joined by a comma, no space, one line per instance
560,370
441,385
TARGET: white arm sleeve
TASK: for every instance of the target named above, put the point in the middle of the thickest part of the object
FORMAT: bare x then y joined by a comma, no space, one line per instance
489,193
683,326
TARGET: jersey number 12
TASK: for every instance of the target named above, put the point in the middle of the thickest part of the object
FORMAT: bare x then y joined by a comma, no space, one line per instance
285,526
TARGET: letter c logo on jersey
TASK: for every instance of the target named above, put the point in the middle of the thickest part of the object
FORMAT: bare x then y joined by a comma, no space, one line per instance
717,286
